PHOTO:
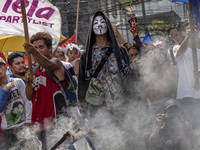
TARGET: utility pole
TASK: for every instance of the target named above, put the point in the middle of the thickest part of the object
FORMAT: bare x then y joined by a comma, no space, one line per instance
99,1
144,14
193,40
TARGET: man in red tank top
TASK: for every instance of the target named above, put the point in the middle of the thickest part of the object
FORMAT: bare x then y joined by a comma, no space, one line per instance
46,97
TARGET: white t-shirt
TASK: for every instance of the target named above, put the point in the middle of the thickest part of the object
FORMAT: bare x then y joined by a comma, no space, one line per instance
18,109
186,79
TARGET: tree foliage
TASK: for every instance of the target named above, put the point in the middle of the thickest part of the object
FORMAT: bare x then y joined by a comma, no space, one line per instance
127,3
53,1
159,27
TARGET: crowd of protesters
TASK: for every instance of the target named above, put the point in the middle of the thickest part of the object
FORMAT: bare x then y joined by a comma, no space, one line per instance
111,74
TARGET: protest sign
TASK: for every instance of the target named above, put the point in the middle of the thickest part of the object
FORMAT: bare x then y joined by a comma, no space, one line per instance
42,16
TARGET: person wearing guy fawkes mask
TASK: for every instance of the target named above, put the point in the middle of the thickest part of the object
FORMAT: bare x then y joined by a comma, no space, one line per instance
114,74
171,132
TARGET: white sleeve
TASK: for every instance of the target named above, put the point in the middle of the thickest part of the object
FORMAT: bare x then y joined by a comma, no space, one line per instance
175,49
27,104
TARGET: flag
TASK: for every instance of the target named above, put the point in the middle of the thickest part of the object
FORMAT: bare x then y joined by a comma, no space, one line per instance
147,37
64,43
184,1
42,16
196,9
2,55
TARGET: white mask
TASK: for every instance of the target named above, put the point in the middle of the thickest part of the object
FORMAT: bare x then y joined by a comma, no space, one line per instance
99,25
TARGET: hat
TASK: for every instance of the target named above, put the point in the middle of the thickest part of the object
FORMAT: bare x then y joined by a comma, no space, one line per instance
2,61
71,46
172,102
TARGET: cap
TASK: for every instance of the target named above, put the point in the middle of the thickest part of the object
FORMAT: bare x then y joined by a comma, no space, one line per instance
2,61
172,102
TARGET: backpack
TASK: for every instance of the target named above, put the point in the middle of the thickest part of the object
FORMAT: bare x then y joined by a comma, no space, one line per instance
69,93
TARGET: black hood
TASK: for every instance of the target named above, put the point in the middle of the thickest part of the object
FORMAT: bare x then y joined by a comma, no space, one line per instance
111,38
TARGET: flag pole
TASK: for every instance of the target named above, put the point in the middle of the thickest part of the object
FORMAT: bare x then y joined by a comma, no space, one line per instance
26,36
193,40
77,15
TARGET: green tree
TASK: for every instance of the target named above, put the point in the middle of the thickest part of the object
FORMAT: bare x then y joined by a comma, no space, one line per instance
126,3
159,27
53,1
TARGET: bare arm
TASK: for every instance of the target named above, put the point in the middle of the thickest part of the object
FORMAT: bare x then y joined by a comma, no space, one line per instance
53,64
119,36
50,64
183,47
187,42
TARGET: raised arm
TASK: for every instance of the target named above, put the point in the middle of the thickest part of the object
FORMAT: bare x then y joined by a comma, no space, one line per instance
119,36
50,64
183,46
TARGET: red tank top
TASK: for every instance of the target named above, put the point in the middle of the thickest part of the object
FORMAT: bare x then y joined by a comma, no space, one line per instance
43,106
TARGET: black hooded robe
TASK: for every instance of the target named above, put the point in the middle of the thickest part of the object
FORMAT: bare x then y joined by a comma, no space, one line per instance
126,69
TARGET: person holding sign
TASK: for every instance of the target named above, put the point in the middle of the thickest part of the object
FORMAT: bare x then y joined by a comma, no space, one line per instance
47,98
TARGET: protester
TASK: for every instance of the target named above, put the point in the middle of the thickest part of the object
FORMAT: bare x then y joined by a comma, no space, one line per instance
114,76
133,51
17,65
132,48
171,132
59,53
15,109
158,77
72,50
47,98
186,91
134,29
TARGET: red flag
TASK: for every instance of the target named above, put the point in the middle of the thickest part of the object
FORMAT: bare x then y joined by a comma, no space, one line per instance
64,43
2,56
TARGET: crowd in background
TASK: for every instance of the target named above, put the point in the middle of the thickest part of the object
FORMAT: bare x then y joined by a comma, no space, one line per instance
157,82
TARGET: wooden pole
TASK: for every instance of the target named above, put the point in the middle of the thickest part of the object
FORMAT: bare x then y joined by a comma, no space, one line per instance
26,37
77,15
193,40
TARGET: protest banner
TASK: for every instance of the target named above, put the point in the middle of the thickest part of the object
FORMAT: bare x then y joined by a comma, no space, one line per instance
42,16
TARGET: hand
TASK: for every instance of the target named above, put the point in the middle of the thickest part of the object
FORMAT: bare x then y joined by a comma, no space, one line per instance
135,32
11,85
28,78
115,30
29,47
159,119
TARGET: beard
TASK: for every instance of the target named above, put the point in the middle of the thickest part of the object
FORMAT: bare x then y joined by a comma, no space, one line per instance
22,73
